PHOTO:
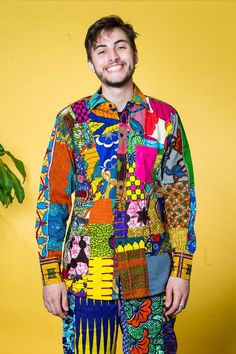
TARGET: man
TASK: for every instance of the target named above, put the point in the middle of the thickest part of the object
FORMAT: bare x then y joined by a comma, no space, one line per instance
128,249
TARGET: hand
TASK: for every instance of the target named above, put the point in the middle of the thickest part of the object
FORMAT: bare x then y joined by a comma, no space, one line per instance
177,292
55,299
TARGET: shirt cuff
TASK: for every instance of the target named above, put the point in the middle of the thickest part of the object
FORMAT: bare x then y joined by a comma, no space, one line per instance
181,265
51,271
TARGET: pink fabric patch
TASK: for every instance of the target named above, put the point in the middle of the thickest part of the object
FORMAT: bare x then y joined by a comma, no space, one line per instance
163,109
145,160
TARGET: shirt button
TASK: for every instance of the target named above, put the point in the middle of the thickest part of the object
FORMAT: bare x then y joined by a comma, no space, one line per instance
121,135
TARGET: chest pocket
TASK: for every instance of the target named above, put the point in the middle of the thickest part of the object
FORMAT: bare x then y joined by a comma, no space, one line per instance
145,161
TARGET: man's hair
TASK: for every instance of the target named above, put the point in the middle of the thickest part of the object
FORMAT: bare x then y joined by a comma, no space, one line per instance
107,24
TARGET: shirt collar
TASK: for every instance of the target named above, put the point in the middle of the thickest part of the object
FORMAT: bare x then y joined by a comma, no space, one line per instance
138,97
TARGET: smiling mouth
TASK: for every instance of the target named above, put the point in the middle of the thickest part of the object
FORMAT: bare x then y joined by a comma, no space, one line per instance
115,68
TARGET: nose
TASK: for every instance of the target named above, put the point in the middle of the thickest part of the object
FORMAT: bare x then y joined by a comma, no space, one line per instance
113,55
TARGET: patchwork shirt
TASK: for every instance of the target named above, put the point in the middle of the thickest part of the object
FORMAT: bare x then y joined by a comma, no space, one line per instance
125,183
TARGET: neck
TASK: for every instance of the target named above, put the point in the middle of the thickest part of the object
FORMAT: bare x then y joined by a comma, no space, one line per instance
118,95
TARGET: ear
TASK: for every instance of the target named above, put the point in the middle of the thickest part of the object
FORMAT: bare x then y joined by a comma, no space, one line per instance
91,67
136,56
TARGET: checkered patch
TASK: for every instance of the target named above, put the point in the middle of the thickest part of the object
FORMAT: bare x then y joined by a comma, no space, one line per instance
80,111
134,187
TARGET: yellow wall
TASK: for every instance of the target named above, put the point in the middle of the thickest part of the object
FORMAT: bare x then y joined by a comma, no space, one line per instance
187,58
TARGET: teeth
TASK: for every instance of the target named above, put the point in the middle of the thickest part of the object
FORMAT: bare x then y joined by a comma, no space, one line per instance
114,68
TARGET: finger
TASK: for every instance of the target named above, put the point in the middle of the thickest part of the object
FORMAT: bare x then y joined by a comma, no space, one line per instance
57,310
47,305
175,306
182,305
64,302
169,298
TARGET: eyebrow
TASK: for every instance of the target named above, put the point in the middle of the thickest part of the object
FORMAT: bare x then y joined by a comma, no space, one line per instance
104,45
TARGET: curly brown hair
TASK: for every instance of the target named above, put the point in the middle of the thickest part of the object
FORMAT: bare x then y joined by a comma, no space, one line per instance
107,23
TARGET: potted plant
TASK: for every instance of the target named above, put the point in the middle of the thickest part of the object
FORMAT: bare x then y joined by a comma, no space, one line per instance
10,185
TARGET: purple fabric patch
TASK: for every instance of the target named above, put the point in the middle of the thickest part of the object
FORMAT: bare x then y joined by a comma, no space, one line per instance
120,223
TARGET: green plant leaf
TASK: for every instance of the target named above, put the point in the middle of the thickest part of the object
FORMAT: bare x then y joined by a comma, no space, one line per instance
2,151
19,191
5,179
5,198
19,165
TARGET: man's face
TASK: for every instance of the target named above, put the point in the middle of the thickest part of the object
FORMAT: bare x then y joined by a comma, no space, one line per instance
113,59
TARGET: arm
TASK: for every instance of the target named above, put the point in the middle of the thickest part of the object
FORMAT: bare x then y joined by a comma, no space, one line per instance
53,209
180,209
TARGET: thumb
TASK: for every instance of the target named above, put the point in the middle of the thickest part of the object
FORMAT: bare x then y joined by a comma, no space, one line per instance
169,297
64,301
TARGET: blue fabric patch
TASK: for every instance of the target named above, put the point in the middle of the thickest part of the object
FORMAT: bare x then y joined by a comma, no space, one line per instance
57,216
107,146
158,272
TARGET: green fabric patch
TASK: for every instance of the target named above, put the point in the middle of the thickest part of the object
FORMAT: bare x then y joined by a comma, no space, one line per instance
187,154
145,322
99,240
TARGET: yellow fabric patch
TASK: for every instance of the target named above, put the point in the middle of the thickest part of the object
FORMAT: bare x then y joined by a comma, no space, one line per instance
95,183
156,226
182,265
51,273
91,157
139,231
129,247
77,285
100,278
178,239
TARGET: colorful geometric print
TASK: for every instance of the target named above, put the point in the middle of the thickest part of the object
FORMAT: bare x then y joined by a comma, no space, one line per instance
77,255
52,176
134,188
107,146
137,214
191,245
76,284
130,174
120,224
100,278
175,169
100,124
156,226
182,265
177,202
132,266
69,335
90,158
80,110
91,326
142,321
51,272
99,243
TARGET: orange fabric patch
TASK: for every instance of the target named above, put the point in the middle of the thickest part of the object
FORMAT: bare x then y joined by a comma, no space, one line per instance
60,168
101,212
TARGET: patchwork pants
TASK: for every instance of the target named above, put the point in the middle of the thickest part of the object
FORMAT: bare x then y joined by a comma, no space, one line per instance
92,326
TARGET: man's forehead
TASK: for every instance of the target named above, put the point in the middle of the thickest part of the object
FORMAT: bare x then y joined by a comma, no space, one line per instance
111,35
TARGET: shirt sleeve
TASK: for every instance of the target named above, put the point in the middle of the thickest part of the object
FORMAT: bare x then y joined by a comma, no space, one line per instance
54,202
179,199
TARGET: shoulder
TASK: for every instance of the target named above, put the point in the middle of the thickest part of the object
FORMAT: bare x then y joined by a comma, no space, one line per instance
77,110
163,109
